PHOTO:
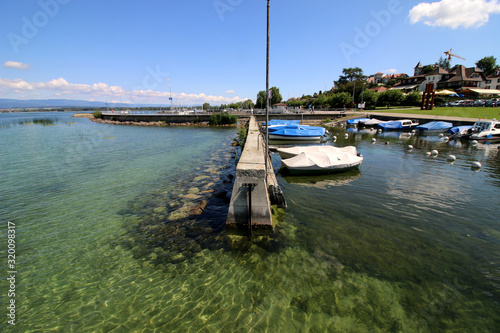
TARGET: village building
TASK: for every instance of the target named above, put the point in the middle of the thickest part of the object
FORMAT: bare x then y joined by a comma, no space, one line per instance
459,79
493,81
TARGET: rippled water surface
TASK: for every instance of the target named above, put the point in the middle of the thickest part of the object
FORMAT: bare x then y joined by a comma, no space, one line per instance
121,229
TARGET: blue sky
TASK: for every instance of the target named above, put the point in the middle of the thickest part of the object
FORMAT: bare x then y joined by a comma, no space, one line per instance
214,51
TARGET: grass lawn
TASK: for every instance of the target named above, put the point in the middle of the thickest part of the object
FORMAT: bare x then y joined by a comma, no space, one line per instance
466,112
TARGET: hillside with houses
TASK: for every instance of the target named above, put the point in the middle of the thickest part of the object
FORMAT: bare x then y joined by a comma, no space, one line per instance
379,89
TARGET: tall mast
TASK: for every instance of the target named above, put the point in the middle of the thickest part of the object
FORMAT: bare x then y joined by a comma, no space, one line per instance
267,90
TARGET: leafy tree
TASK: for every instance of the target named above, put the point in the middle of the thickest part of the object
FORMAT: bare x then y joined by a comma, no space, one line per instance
370,98
261,100
391,97
206,106
350,75
339,100
427,69
275,98
320,101
413,99
444,63
488,65
248,104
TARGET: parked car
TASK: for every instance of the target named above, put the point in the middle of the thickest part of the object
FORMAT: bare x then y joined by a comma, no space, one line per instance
490,103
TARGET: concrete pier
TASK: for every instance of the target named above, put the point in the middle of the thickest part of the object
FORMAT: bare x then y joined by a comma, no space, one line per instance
251,170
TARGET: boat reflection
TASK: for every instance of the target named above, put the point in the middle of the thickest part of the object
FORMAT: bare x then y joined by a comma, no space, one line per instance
394,135
323,181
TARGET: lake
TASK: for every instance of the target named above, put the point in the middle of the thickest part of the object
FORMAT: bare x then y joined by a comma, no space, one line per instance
121,228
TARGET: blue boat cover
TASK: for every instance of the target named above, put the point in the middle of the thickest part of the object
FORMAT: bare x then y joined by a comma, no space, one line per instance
459,129
356,121
391,125
273,122
300,131
435,126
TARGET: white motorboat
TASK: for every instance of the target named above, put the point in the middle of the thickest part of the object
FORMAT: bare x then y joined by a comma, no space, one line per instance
289,152
485,130
372,122
313,160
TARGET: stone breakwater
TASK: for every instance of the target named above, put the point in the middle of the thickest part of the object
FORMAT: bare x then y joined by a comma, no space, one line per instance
160,123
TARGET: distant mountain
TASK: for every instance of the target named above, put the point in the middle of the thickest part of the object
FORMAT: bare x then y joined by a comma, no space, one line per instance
62,103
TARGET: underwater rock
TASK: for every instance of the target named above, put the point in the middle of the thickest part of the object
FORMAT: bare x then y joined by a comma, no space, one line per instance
191,196
193,190
199,178
198,209
160,209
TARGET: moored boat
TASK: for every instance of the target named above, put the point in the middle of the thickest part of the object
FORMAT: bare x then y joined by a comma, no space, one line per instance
458,131
485,130
434,127
398,125
371,122
356,121
323,161
297,132
289,152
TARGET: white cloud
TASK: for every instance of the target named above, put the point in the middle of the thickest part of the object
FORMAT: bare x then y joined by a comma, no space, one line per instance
455,13
391,71
16,65
230,92
63,89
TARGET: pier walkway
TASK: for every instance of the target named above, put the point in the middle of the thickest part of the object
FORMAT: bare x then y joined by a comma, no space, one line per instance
250,203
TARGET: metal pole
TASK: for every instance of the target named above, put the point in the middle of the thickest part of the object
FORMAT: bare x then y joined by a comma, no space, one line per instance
353,92
171,100
267,88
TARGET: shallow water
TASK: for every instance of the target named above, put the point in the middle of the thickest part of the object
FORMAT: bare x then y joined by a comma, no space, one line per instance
111,236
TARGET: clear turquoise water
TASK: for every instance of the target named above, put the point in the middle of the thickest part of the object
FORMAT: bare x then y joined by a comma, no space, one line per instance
109,241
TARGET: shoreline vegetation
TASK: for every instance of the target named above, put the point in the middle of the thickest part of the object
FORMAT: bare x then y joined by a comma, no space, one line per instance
215,120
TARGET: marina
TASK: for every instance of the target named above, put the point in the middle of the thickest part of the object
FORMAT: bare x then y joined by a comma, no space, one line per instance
408,242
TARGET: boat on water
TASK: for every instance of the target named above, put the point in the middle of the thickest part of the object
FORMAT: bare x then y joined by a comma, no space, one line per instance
485,130
371,122
395,125
434,127
289,152
297,133
314,160
356,121
458,131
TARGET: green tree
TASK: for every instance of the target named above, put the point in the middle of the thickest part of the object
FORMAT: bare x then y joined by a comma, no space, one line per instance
427,69
444,63
370,98
413,99
261,100
339,100
488,65
350,75
206,106
275,98
390,97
